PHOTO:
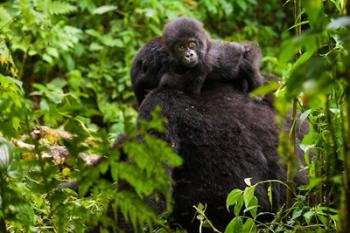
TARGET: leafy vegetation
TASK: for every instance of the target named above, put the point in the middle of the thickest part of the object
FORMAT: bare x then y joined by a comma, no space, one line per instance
65,95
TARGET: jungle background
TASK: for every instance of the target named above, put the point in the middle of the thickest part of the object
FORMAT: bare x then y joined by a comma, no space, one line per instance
65,95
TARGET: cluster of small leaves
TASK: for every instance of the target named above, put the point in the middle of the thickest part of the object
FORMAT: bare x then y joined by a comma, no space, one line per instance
65,64
313,68
145,175
237,199
75,76
315,74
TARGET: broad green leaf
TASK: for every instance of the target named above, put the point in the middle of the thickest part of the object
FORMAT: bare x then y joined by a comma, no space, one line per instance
308,216
339,23
253,207
314,10
242,4
233,197
314,71
248,195
296,214
235,226
5,17
314,182
104,9
238,207
266,88
249,226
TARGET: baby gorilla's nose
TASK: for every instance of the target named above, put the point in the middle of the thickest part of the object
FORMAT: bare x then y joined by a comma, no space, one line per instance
190,58
189,54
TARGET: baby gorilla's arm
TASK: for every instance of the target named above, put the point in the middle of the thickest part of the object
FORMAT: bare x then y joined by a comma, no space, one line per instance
190,82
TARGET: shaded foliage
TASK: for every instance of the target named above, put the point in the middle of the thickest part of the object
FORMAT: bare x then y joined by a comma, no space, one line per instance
65,65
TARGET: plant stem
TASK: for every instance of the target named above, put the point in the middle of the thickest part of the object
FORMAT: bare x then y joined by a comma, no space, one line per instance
3,204
292,135
345,195
292,157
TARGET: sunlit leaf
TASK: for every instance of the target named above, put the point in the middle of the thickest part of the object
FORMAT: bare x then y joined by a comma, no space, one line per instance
235,226
248,195
315,12
339,23
249,226
104,9
270,193
266,88
308,216
233,197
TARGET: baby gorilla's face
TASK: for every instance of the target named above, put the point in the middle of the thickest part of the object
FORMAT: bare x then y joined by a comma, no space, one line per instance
186,52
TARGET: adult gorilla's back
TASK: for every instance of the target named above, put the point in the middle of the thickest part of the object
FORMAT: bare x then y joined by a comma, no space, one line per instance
223,136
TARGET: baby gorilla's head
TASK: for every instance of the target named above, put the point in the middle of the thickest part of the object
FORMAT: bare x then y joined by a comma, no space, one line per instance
186,40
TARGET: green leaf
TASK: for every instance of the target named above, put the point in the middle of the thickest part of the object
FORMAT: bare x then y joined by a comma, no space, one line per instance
307,41
57,7
5,17
235,226
253,207
296,214
313,71
269,193
249,226
265,89
47,58
339,23
53,52
11,84
7,66
16,122
103,167
104,9
238,207
314,182
233,197
248,195
315,12
304,116
242,4
308,216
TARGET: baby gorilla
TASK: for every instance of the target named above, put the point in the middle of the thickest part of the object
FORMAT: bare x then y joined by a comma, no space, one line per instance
187,43
194,57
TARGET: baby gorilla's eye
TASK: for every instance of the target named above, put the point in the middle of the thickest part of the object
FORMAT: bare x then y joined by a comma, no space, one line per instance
181,47
192,45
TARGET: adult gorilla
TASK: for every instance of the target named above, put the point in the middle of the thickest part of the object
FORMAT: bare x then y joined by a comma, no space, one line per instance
223,136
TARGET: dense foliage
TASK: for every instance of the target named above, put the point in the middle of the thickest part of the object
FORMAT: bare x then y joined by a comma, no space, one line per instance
65,95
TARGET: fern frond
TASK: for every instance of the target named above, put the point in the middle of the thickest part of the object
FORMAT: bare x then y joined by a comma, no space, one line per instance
55,7
135,210
59,8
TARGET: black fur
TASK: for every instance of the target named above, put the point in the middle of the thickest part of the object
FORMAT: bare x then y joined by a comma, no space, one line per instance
187,43
148,67
156,63
223,136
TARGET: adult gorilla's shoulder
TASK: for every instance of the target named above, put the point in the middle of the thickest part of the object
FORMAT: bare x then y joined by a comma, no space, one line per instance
223,136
